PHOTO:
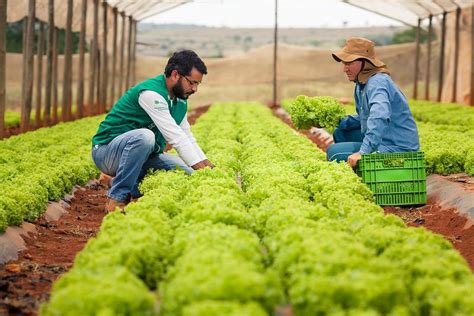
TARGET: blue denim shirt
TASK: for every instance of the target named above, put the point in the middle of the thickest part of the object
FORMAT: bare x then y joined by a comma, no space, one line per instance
383,116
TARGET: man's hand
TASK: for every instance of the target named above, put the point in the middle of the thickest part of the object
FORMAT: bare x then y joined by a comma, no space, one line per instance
199,165
208,163
353,159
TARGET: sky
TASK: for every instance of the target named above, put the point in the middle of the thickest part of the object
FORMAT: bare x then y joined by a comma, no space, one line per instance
260,13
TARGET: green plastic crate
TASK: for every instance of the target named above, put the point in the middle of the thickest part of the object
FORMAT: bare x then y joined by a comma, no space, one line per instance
395,178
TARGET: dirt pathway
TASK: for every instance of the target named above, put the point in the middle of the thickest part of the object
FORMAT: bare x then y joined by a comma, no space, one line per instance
25,283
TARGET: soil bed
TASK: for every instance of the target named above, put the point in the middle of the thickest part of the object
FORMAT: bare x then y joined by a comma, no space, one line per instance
459,230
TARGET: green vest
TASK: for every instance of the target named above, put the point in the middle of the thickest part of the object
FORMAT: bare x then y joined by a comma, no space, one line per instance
127,114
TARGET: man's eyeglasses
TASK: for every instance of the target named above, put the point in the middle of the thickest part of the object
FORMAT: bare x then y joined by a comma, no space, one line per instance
191,82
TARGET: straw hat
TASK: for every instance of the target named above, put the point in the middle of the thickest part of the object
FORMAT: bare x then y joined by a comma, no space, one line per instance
355,48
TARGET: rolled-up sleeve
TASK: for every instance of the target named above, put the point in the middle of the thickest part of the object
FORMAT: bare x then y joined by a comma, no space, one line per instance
378,119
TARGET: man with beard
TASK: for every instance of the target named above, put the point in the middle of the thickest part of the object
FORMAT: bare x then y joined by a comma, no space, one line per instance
131,139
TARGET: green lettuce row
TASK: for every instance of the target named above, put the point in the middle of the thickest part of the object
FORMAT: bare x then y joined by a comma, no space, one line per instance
340,196
113,291
443,113
356,204
287,220
441,156
13,118
219,308
42,166
175,194
216,254
217,262
137,244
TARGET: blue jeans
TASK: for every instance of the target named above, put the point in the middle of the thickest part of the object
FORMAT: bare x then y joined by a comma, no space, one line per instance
346,142
128,157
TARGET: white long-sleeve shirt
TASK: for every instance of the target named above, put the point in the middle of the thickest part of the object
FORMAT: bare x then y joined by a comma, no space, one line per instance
178,136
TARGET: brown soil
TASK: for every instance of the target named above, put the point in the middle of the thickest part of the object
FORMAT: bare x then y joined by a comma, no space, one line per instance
14,130
25,283
196,112
459,230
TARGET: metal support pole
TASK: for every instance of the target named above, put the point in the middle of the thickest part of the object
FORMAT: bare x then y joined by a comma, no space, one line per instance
122,51
441,57
39,75
114,56
134,54
456,54
82,50
103,92
67,81
3,26
93,59
417,61
28,93
275,57
129,51
49,65
428,58
471,94
55,73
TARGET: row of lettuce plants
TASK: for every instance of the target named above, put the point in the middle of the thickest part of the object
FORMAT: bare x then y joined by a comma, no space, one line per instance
447,136
42,166
210,261
272,225
336,251
13,118
443,113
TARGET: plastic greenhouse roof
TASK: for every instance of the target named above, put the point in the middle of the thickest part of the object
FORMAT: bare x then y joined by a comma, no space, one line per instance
142,9
409,11
404,11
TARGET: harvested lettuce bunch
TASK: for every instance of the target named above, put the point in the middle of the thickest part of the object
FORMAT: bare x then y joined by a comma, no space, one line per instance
324,112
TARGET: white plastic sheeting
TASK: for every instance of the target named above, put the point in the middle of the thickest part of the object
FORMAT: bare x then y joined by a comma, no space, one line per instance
142,9
137,9
409,11
404,11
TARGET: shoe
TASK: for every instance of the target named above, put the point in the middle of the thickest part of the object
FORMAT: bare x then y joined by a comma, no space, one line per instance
111,205
105,180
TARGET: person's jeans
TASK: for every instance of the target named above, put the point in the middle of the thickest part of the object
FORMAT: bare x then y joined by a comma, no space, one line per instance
128,157
346,142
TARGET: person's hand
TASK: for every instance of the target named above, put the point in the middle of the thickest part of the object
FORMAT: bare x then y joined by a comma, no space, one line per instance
208,163
353,159
199,165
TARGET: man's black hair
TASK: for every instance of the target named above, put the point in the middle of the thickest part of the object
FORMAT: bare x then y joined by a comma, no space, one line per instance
184,61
